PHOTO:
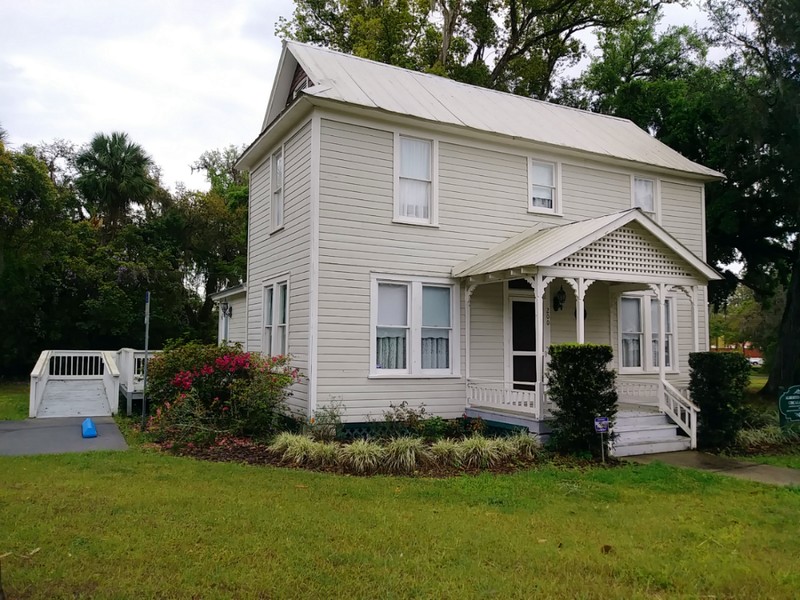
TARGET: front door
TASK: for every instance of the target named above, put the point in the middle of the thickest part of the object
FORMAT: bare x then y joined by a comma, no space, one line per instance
523,343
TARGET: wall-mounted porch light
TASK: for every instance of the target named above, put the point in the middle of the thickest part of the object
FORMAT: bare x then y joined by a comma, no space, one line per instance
559,298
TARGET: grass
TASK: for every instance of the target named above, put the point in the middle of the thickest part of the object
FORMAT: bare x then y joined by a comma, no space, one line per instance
779,460
14,400
139,524
758,379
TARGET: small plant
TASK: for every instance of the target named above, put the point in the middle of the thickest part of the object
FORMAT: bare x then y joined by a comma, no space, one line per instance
525,446
326,423
404,420
503,447
434,428
447,452
478,452
281,442
405,455
300,451
362,456
325,454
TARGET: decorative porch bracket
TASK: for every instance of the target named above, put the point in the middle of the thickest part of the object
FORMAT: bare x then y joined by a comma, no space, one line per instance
580,286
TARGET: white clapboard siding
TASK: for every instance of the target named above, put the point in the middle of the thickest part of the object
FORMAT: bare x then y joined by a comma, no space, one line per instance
237,323
563,325
486,337
284,252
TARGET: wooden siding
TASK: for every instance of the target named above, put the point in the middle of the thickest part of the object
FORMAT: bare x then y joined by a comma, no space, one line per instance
486,337
237,324
476,186
286,251
563,324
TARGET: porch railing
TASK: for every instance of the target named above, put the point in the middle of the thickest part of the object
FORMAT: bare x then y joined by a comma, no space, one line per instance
131,368
680,409
489,393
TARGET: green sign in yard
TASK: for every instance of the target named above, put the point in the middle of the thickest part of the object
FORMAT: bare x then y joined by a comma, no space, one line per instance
789,405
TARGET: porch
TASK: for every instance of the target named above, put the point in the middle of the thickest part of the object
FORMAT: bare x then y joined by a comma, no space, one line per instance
636,289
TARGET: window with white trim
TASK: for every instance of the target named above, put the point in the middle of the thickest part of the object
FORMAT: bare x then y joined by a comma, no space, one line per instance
413,327
277,190
639,321
276,318
543,195
645,194
415,195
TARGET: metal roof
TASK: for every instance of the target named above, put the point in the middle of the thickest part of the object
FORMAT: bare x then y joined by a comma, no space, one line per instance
546,247
371,84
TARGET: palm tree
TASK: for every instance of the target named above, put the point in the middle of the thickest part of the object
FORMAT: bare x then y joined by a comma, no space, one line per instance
114,174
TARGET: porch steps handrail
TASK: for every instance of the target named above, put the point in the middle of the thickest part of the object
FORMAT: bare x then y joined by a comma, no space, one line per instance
681,409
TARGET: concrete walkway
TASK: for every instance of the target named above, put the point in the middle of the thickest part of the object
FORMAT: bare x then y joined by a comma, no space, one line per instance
692,459
57,436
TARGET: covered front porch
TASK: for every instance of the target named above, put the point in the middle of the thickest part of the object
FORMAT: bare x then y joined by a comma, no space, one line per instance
637,289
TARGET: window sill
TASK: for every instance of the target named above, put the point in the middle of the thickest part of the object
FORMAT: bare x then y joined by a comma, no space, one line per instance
411,376
276,230
544,211
400,221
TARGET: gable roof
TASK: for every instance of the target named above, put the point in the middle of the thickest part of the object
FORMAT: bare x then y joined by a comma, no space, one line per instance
547,247
357,81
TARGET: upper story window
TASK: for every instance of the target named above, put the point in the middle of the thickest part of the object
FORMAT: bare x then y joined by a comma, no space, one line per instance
414,327
639,323
645,195
415,194
276,317
277,190
543,178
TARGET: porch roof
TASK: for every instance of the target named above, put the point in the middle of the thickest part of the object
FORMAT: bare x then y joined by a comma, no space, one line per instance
548,247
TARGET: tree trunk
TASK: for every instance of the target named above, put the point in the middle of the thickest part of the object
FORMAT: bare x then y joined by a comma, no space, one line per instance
449,17
784,371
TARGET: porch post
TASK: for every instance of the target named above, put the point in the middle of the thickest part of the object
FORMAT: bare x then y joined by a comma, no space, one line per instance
695,321
662,355
539,292
580,286
467,333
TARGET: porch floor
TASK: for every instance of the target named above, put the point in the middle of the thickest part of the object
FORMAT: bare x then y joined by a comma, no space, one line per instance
74,398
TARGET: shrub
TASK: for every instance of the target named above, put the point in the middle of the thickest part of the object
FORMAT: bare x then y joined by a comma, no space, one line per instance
403,420
405,455
582,387
717,383
434,428
326,424
212,390
478,452
362,456
447,453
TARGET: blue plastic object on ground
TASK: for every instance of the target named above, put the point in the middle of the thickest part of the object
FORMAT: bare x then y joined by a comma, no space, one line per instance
88,429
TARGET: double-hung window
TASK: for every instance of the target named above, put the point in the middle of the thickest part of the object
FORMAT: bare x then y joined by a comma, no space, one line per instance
543,188
276,317
415,194
413,325
645,195
277,190
639,321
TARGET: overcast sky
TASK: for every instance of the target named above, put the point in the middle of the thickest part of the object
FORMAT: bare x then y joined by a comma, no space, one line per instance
180,77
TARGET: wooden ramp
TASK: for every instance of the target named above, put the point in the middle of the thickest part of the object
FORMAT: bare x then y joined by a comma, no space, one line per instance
74,398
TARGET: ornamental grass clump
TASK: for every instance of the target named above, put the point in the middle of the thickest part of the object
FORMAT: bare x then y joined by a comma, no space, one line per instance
362,457
447,453
478,452
525,446
300,451
325,454
405,455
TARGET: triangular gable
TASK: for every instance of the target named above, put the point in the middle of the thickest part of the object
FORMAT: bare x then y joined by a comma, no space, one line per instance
291,79
629,249
626,241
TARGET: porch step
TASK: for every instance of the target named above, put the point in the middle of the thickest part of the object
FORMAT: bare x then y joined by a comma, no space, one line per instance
647,432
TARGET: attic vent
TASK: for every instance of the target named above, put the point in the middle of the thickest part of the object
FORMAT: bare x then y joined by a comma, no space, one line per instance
300,81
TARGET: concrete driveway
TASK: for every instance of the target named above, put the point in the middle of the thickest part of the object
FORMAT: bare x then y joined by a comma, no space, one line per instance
57,436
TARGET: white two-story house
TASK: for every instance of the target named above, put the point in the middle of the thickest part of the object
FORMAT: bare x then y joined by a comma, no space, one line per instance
416,239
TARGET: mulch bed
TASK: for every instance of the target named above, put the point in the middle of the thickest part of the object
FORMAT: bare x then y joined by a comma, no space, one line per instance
255,453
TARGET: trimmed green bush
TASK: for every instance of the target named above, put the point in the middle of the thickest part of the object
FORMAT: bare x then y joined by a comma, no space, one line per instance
717,384
582,387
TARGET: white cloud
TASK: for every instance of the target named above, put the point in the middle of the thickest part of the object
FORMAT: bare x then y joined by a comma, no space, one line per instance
180,77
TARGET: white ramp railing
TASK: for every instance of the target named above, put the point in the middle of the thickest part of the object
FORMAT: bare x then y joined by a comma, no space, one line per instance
39,377
74,365
680,409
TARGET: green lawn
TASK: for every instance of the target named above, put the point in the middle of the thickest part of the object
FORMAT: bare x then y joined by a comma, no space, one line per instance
142,525
780,460
14,399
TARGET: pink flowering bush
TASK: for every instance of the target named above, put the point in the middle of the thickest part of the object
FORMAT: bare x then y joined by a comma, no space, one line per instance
199,393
